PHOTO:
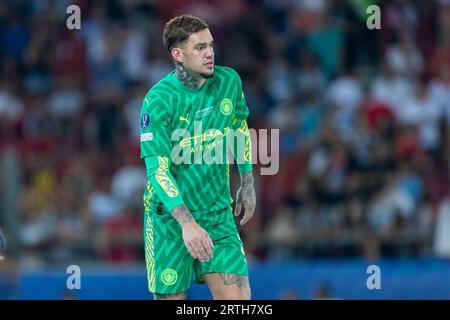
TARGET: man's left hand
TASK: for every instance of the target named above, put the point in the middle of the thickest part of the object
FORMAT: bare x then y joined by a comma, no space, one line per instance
246,197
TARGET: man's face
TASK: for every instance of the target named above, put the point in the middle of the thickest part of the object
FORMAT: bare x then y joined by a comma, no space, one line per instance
198,54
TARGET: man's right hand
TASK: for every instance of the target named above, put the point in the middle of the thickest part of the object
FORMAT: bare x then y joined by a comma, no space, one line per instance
197,241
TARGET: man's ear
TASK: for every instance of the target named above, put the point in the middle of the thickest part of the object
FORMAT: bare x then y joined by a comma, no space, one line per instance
177,55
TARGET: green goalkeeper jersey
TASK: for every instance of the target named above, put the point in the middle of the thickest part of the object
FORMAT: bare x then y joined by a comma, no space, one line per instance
182,129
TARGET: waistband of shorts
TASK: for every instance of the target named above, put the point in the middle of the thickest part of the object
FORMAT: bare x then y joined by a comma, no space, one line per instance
159,208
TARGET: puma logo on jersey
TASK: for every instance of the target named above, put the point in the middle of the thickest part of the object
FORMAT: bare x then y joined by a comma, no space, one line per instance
185,119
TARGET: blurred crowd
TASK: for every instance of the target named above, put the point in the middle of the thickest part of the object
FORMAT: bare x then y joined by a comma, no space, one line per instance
364,119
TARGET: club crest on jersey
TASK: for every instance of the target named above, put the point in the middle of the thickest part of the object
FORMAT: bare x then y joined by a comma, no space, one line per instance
145,120
226,106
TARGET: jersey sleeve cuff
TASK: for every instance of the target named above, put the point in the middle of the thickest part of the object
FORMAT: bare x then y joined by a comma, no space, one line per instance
173,204
244,168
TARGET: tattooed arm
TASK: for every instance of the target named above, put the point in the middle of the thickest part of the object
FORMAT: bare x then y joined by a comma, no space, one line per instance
196,239
246,194
182,215
246,197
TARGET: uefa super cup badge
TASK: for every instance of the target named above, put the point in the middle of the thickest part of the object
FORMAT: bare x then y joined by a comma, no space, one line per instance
169,277
226,106
145,120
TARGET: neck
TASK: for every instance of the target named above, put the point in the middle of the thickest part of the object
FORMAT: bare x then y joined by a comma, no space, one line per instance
189,80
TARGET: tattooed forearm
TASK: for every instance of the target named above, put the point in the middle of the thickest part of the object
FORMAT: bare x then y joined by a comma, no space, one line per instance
247,192
185,78
234,280
247,178
249,197
182,215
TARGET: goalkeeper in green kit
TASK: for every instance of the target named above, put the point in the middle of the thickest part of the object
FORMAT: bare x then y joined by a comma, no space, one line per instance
189,228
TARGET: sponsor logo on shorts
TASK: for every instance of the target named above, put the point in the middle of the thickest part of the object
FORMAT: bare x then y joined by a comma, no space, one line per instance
169,277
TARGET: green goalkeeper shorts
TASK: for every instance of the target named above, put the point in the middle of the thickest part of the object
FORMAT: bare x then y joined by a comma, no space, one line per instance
170,267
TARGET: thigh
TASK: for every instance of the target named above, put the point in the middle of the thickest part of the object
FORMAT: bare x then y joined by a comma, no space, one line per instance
227,258
169,264
229,255
227,286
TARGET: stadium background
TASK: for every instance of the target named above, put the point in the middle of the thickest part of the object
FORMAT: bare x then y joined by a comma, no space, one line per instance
364,144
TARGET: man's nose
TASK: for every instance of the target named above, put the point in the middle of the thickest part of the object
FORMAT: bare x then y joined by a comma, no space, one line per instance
210,52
